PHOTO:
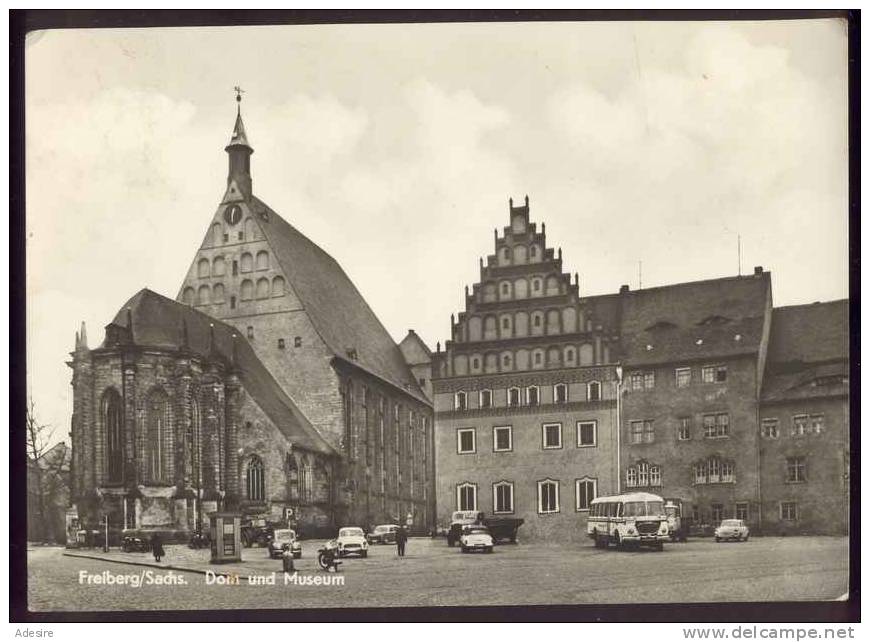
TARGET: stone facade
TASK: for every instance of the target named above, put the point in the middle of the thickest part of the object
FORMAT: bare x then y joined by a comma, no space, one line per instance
525,394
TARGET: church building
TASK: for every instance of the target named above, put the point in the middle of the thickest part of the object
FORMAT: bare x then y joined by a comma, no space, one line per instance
274,364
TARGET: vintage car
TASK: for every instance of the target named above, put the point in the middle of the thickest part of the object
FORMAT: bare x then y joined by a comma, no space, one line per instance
499,527
352,541
383,534
476,537
284,537
732,529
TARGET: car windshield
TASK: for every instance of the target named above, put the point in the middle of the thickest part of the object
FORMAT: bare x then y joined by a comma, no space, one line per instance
731,522
285,536
381,529
350,532
641,509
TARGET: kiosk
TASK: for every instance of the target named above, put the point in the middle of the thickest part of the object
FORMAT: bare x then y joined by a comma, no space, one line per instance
226,537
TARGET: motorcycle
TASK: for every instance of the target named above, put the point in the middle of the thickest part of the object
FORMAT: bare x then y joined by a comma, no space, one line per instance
327,554
198,540
134,544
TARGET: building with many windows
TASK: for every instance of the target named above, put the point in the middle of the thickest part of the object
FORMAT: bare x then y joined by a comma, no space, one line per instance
330,368
525,391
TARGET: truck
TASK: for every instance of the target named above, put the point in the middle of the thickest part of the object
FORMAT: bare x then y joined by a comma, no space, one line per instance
501,528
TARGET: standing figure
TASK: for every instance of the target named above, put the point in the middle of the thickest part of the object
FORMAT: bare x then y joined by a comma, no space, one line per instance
401,538
157,547
287,559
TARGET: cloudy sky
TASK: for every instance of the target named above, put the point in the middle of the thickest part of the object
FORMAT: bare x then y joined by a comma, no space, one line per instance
396,149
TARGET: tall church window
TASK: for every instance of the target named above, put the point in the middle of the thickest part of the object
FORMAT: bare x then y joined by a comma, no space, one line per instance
219,266
263,288
188,296
114,435
158,436
262,260
255,480
247,290
202,296
278,286
247,262
202,268
193,445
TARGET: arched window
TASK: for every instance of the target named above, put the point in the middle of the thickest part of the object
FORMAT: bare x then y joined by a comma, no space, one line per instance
505,290
255,480
202,268
548,496
246,262
218,266
218,293
714,470
262,260
460,400
202,296
643,475
278,286
560,393
263,288
466,496
533,396
247,291
158,436
114,435
188,296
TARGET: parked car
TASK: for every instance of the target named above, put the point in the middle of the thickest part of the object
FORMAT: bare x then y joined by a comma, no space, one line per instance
476,538
732,529
282,537
499,527
133,541
352,540
383,534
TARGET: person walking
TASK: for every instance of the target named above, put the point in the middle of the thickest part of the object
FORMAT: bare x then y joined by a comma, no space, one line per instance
157,547
401,538
287,559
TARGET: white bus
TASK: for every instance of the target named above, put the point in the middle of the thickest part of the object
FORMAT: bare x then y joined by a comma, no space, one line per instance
636,519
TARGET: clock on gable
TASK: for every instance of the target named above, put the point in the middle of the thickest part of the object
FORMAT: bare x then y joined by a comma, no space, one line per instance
233,214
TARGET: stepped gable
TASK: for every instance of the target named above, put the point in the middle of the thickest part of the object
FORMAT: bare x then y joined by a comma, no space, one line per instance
696,320
808,356
159,322
533,273
337,310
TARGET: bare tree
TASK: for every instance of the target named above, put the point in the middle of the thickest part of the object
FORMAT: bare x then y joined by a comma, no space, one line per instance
47,472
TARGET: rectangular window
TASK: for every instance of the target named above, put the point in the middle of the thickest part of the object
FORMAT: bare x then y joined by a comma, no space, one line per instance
649,380
466,441
770,428
560,393
717,512
796,469
655,476
716,425
799,424
548,496
641,432
466,497
486,398
552,435
460,401
502,438
585,491
514,397
714,374
741,511
636,381
587,434
817,424
532,395
788,511
631,477
684,428
503,497
683,377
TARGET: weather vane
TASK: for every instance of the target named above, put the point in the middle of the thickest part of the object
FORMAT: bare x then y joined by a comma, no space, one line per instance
239,91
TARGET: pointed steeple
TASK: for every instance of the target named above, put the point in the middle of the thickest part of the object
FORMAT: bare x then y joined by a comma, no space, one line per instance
239,151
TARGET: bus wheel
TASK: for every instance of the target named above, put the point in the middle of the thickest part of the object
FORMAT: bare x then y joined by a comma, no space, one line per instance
616,541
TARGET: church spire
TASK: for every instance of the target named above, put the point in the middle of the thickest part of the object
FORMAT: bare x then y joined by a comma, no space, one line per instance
239,151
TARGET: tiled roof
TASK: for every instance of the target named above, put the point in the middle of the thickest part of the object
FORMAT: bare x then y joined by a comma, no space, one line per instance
159,322
808,356
338,311
701,319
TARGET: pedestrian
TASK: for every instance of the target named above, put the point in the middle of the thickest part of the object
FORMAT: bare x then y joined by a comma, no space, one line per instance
157,547
401,538
287,559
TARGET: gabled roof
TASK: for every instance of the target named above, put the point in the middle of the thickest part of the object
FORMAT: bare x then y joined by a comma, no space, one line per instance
337,310
700,319
414,349
808,355
160,322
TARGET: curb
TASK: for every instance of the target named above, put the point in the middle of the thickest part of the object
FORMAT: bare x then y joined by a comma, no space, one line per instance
168,567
